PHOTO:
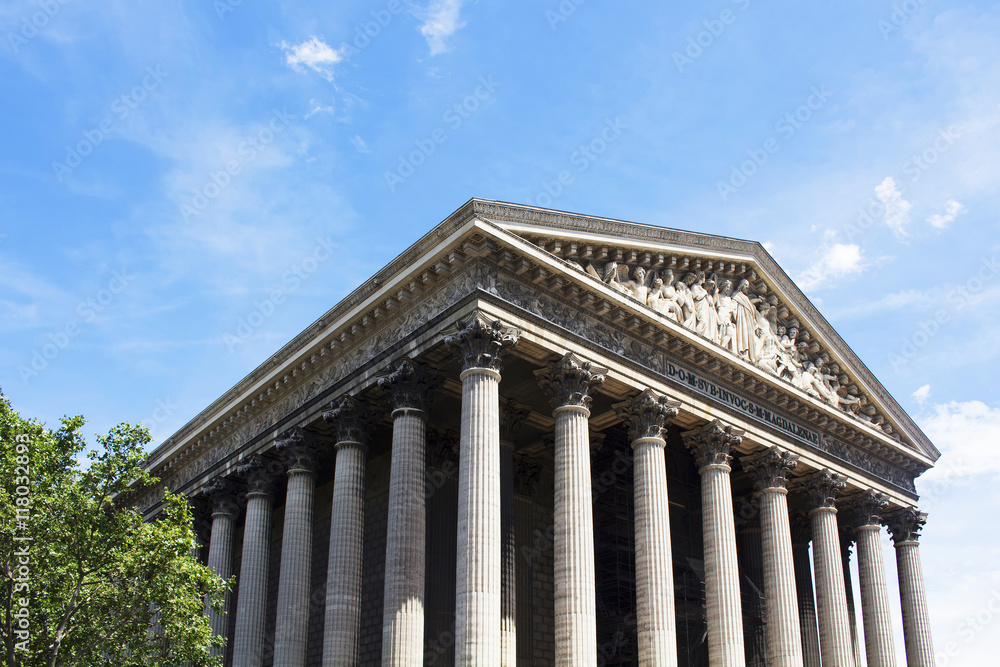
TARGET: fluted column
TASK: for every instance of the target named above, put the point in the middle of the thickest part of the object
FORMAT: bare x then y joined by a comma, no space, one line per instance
479,344
801,533
512,416
251,603
349,420
647,416
711,445
403,597
291,629
831,596
846,540
222,495
905,526
784,639
569,383
866,509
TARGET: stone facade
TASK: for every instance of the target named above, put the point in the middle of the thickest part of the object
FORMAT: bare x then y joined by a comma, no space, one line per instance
438,470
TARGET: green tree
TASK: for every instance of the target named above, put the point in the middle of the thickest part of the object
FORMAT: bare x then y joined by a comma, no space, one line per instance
84,579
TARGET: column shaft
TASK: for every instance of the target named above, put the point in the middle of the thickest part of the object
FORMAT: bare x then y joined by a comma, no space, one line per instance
477,600
807,605
575,585
508,558
654,572
342,620
784,641
831,596
220,561
875,611
251,604
916,619
403,601
852,617
291,631
722,582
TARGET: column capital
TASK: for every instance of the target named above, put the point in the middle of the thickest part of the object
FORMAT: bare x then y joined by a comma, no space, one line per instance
222,496
259,474
527,472
350,419
821,488
905,524
648,414
570,380
769,467
480,342
866,508
409,386
512,416
297,446
712,442
746,513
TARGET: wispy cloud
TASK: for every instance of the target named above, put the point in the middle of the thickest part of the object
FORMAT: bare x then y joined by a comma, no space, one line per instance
966,433
836,261
359,144
441,21
952,209
314,54
897,209
922,394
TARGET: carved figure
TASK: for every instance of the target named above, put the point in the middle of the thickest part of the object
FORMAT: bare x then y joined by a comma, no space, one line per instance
746,321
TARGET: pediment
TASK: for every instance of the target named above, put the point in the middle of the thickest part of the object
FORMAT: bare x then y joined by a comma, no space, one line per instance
729,292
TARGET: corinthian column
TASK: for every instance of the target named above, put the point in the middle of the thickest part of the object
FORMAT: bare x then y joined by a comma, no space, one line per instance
512,416
867,509
711,445
291,630
569,382
222,496
480,345
251,602
403,598
831,596
904,526
784,640
801,532
647,416
342,620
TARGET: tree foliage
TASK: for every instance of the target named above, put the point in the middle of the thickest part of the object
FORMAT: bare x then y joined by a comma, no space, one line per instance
85,581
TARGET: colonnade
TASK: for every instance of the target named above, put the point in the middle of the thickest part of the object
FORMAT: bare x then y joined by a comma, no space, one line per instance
799,631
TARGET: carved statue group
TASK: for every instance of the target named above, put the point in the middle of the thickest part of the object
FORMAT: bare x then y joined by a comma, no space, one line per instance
736,319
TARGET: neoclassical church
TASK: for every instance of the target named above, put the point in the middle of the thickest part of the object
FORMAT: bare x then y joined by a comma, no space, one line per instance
544,438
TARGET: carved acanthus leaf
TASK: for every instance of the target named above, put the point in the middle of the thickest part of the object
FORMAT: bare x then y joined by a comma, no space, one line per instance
905,524
408,385
821,488
260,474
712,443
350,419
480,342
298,448
648,414
769,468
570,381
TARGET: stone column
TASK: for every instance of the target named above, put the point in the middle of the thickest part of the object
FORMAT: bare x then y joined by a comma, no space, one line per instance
291,630
480,345
251,603
711,445
349,420
866,509
403,597
222,496
647,416
569,383
904,526
846,540
784,639
831,596
801,532
512,416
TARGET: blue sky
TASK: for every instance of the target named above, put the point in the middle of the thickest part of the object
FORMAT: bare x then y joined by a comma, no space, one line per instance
169,168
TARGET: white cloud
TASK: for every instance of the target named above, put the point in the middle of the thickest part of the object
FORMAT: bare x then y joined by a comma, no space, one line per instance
837,261
441,20
952,209
313,53
967,434
359,144
922,393
897,209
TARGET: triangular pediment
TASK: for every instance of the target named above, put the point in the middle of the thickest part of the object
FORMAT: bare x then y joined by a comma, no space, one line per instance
728,291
